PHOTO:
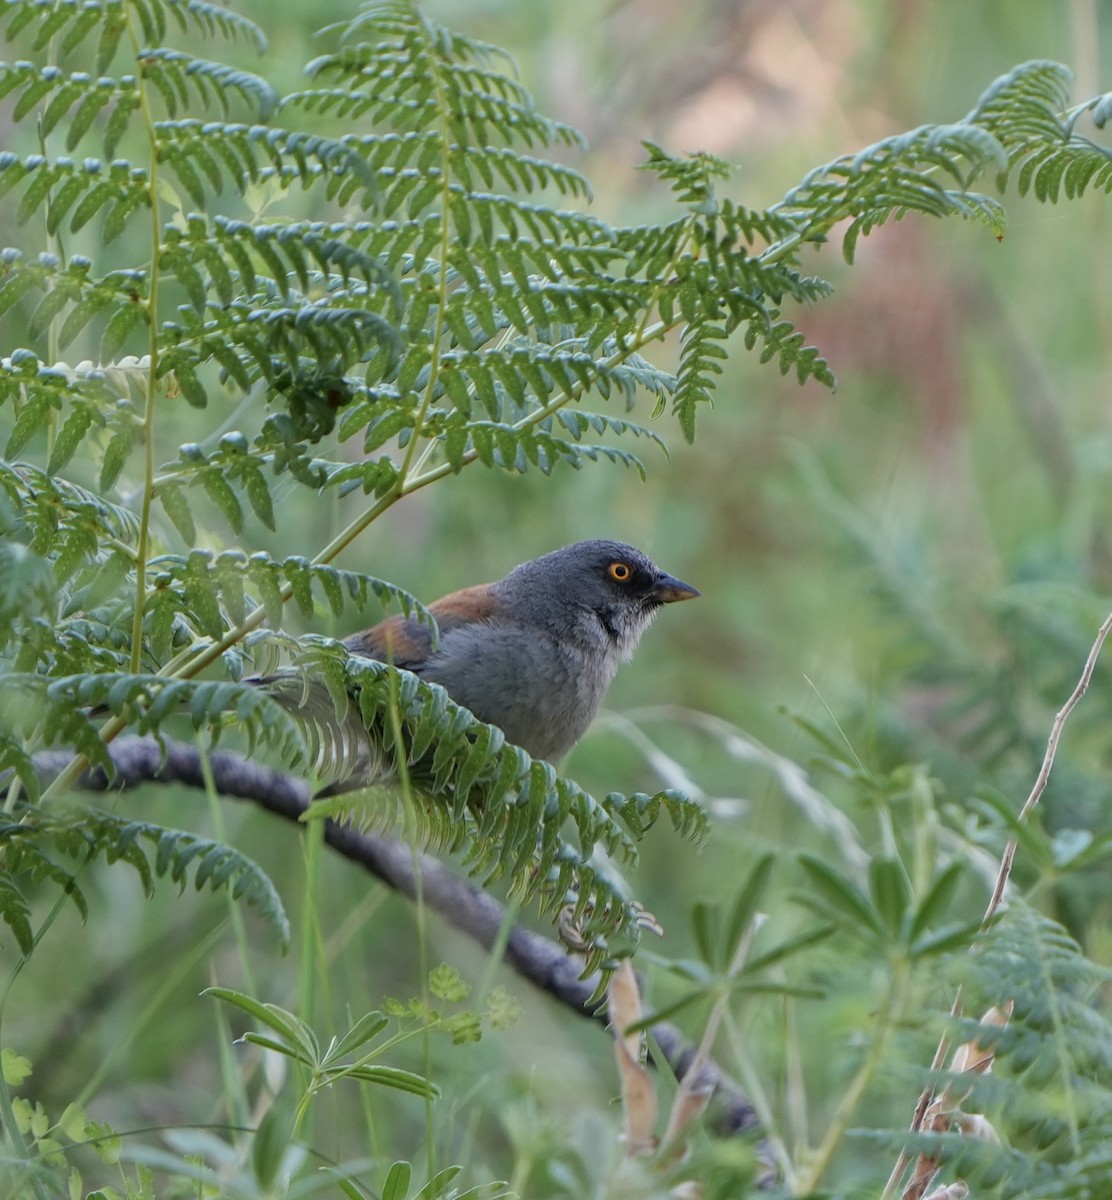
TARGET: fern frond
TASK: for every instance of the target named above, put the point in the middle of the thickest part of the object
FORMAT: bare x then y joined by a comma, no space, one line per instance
205,583
70,286
179,76
77,22
514,449
88,188
1022,108
701,358
15,912
265,341
77,98
27,589
476,794
87,833
55,711
1056,1036
212,19
895,176
410,55
53,513
214,153
237,253
787,345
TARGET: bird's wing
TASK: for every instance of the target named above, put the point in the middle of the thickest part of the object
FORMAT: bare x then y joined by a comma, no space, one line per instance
407,642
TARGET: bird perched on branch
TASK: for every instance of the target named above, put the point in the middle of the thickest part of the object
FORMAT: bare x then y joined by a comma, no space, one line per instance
535,652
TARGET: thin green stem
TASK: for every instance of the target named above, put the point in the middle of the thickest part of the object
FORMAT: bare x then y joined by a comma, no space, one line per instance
890,1012
169,987
312,942
750,1079
680,1110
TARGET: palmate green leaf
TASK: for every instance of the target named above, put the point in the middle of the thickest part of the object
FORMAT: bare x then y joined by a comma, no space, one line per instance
299,1040
890,892
392,1077
296,1040
841,899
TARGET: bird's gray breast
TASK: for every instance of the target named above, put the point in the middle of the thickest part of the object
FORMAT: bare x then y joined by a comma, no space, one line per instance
542,692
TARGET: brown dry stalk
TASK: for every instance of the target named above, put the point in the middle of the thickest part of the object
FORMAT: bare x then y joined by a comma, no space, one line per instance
638,1093
915,1190
944,1112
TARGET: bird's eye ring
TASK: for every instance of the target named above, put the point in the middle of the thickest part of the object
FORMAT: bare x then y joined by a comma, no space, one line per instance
620,572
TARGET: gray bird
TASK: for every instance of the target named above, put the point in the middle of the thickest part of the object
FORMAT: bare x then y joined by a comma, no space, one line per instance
535,652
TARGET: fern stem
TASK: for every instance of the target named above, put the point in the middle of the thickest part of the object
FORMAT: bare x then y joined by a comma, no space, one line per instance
143,542
445,244
54,246
641,337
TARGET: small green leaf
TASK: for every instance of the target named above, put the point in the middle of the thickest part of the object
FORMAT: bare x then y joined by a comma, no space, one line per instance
14,1067
221,494
705,926
364,1030
851,907
937,899
270,1144
890,892
745,907
70,437
284,1023
396,1186
177,509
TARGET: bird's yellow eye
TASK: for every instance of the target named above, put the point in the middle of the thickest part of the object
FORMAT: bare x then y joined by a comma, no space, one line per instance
620,571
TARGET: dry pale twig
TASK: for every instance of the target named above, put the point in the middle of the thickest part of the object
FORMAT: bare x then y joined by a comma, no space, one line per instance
924,1105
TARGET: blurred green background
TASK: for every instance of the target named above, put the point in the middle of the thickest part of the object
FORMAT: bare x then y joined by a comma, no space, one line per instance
921,558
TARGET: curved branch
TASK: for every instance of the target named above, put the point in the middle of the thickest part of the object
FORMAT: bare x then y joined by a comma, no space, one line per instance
541,961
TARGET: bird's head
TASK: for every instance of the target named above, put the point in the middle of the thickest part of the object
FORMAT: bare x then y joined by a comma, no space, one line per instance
602,590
